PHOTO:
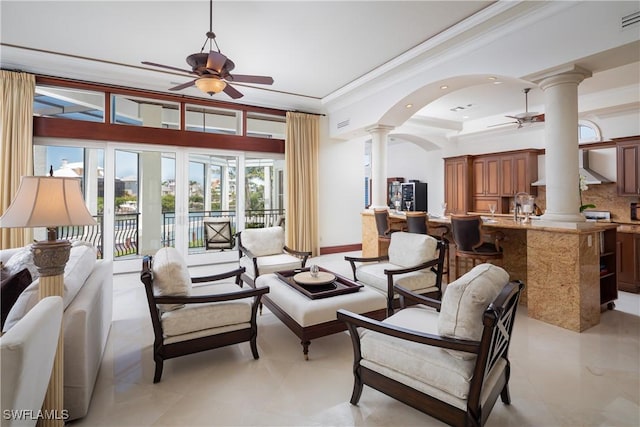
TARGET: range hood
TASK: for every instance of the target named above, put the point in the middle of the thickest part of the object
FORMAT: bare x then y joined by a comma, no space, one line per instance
591,177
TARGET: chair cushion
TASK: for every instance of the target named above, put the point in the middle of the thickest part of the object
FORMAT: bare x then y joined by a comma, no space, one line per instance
466,299
409,249
418,281
271,264
170,276
263,241
196,317
423,363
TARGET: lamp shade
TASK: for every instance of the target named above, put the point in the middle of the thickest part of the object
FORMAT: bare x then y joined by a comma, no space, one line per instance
211,85
44,201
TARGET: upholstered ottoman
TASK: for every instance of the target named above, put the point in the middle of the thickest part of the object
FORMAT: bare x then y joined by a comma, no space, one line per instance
315,318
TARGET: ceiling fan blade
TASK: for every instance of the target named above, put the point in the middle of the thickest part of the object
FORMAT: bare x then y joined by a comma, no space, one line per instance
153,64
183,85
215,61
232,92
538,118
503,124
244,78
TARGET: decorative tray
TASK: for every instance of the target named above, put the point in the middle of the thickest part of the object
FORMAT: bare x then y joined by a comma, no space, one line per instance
338,286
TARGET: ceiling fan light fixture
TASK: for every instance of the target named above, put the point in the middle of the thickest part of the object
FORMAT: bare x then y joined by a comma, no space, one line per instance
211,85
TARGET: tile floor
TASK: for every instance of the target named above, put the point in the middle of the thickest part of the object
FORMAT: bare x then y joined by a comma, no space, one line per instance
559,378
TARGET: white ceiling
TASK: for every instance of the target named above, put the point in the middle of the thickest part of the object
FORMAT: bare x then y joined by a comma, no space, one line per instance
312,49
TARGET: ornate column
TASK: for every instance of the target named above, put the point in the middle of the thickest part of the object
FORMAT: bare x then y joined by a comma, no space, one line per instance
561,143
50,257
379,165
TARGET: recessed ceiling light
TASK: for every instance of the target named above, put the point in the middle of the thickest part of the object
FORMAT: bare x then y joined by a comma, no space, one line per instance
444,87
409,105
465,117
492,78
497,82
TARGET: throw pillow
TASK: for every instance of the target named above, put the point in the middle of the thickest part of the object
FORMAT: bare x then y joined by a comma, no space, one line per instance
465,301
11,286
20,260
170,276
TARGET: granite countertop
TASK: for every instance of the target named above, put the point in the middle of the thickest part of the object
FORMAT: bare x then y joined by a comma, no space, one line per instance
629,228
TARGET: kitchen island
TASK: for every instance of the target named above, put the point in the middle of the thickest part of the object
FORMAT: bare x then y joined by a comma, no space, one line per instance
561,265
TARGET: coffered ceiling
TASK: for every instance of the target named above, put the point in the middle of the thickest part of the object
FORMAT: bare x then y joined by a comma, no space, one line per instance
312,49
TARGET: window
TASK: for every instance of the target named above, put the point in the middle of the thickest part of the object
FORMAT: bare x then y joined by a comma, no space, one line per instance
74,104
212,120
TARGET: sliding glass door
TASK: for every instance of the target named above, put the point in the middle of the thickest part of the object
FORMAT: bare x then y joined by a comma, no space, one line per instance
145,197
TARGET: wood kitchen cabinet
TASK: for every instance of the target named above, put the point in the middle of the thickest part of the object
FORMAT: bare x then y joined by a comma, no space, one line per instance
628,181
628,268
457,184
499,176
486,176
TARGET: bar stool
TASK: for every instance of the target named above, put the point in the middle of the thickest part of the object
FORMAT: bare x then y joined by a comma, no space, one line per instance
384,229
467,236
417,223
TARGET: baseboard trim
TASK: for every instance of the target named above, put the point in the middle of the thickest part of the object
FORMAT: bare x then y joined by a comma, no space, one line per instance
342,248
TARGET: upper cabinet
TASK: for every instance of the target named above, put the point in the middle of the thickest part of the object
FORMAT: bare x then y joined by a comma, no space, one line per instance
486,176
476,182
628,166
457,184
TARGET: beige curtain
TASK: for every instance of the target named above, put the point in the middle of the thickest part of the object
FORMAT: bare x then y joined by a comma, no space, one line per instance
16,154
301,159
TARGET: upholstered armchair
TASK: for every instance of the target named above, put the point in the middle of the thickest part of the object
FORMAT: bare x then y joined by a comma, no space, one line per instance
448,358
27,352
190,315
262,251
414,261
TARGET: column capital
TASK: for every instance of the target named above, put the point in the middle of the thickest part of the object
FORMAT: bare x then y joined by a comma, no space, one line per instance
379,129
559,75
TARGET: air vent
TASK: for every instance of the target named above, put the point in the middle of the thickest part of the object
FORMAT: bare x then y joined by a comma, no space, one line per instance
343,123
631,19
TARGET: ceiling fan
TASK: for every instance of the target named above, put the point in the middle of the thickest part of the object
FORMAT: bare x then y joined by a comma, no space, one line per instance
213,69
527,116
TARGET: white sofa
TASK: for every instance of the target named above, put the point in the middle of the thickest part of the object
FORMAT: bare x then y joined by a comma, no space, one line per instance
27,352
87,319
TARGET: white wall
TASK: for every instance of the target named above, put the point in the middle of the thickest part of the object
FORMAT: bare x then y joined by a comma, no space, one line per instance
341,187
342,168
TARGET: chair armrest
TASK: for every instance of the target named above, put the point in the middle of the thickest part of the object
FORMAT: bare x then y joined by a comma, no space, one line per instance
245,251
233,273
419,299
300,254
354,320
353,260
227,296
392,271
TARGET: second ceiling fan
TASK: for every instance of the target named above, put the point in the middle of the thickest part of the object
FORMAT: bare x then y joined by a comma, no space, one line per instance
213,69
526,117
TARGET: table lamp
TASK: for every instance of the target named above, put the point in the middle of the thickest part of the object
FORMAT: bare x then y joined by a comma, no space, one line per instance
47,201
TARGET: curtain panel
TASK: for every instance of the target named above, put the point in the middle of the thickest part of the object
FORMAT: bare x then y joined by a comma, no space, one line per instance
301,158
17,92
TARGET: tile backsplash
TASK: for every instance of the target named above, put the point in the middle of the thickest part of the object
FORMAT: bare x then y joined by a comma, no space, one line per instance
605,197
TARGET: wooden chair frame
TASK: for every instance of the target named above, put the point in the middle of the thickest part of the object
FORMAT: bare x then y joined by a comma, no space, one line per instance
162,351
243,251
436,265
498,322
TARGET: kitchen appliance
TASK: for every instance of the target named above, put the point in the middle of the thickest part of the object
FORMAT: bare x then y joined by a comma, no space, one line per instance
603,216
414,196
635,211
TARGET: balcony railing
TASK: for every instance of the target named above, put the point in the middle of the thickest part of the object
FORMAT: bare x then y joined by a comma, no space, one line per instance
126,228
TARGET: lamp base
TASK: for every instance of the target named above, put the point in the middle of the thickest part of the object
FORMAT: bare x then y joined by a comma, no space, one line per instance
50,257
